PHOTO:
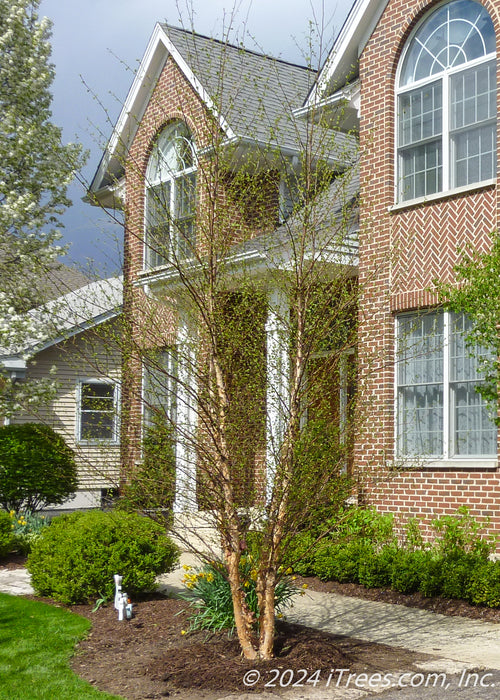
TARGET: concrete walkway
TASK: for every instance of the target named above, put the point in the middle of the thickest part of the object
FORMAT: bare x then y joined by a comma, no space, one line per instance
469,642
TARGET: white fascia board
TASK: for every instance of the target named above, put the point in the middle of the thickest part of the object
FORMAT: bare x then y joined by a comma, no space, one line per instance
14,363
159,48
76,330
349,44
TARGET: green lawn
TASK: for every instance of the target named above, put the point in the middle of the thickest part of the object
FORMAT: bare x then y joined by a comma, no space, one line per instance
36,643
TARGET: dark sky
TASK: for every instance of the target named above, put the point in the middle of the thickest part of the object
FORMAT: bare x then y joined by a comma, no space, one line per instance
97,45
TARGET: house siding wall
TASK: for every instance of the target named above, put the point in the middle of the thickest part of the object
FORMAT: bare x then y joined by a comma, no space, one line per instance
92,354
401,253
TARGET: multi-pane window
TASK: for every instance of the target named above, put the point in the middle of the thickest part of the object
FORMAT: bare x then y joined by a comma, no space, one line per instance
440,412
170,198
159,387
446,102
97,411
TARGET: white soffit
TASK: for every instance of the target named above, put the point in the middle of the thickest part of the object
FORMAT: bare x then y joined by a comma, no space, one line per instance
341,64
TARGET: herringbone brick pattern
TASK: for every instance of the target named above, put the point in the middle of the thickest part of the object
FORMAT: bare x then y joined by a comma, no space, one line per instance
402,252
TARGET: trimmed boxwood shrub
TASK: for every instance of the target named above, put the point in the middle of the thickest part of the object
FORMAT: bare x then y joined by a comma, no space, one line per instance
484,584
375,571
37,468
341,562
75,559
6,536
407,567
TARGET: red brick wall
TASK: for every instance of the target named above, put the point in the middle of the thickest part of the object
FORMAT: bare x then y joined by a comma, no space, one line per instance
401,253
174,98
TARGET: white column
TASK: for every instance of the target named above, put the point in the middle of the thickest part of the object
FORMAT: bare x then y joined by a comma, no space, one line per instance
185,454
278,372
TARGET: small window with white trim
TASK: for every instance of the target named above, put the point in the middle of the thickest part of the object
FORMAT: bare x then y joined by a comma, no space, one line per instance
97,414
446,102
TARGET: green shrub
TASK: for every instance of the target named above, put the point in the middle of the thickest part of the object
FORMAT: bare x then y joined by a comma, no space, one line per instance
341,562
209,594
375,571
431,580
152,489
484,584
365,524
75,559
6,535
462,533
407,567
300,553
26,528
456,572
37,468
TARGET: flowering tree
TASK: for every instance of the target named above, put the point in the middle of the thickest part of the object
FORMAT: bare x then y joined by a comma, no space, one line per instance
35,171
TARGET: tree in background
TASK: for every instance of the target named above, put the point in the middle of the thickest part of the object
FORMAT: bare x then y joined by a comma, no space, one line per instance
35,171
477,294
37,468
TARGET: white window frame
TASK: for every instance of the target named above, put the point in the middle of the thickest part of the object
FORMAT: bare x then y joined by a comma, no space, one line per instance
103,381
448,186
152,258
449,449
167,358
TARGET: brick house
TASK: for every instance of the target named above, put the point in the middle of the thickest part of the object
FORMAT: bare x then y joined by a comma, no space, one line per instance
427,79
418,81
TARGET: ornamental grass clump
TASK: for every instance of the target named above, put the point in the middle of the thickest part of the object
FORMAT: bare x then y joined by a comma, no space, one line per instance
209,594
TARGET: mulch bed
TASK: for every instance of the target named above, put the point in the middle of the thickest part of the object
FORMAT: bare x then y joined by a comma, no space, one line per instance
152,656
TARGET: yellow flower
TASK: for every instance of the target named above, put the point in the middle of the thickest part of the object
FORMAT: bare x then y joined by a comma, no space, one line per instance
186,567
304,585
294,578
210,578
289,570
247,584
183,631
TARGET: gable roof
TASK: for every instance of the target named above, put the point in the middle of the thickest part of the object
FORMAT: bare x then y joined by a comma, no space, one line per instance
341,66
66,316
252,96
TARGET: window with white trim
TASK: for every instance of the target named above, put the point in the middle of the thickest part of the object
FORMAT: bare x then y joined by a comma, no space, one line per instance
97,411
446,102
159,387
170,198
440,413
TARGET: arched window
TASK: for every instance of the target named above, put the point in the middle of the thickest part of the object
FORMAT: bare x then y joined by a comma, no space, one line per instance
446,102
170,197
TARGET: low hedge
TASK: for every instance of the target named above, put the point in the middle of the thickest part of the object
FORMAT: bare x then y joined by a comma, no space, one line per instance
364,550
74,560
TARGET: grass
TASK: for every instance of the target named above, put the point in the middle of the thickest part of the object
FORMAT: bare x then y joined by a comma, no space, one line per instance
36,643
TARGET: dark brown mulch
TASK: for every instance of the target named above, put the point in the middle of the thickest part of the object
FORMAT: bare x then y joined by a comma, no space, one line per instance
150,657
13,561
